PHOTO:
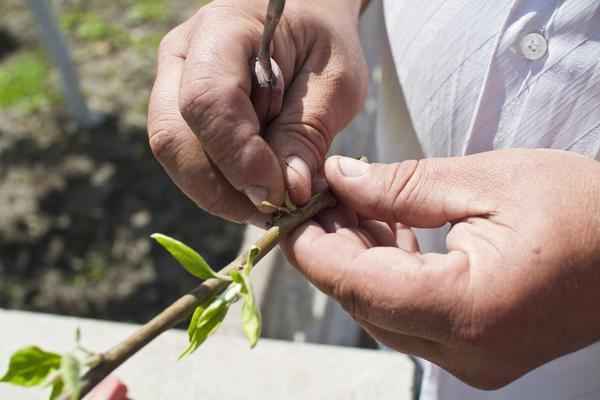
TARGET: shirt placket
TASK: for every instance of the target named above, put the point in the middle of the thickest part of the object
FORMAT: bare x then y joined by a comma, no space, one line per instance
520,53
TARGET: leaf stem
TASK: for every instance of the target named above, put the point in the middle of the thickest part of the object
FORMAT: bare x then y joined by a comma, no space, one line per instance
182,308
85,351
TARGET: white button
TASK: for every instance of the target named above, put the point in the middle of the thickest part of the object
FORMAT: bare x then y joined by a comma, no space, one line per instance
534,46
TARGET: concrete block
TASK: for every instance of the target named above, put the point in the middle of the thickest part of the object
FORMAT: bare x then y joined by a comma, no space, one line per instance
223,368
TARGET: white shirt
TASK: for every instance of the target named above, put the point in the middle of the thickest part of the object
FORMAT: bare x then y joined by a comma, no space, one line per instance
465,76
470,87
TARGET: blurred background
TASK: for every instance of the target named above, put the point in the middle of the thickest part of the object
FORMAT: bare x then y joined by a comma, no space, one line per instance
77,205
80,194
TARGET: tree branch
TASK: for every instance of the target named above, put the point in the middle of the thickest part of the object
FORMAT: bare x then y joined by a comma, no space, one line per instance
274,12
182,308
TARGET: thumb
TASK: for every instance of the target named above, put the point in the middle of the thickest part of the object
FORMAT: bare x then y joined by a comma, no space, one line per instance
302,133
425,193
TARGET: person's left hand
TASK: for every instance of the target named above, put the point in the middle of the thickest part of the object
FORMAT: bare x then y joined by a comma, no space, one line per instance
520,284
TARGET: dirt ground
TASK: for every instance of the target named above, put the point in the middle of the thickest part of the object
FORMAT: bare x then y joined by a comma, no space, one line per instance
77,206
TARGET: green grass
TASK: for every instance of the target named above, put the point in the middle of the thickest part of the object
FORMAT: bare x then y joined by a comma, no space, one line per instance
147,45
149,10
89,28
24,83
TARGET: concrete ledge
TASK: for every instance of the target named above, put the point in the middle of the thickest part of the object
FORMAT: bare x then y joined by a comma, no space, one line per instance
223,368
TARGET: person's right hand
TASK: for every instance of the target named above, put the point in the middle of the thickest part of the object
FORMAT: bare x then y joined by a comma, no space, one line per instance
202,125
518,286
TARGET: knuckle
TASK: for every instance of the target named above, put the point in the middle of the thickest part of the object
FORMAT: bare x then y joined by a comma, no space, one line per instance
309,130
402,184
415,173
211,111
174,42
297,140
166,44
319,133
214,116
196,99
162,141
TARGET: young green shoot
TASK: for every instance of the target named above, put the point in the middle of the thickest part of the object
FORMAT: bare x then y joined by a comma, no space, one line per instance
208,316
75,373
32,366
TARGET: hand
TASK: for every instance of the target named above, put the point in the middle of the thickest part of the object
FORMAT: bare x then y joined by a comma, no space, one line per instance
202,125
519,285
110,388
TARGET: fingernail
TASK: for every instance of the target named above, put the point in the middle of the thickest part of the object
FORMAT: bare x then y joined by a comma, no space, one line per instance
256,194
351,167
298,166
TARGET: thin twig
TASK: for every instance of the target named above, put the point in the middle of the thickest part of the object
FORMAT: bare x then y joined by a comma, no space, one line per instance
182,308
263,69
274,12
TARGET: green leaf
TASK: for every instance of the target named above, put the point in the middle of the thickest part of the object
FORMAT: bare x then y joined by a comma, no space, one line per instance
197,313
252,254
69,372
237,277
232,293
30,366
57,388
206,324
251,321
208,317
188,258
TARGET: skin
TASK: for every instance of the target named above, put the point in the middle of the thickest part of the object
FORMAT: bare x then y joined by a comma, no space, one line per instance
203,127
518,286
110,388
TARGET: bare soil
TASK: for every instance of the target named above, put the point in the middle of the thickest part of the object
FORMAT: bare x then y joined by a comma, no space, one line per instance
77,206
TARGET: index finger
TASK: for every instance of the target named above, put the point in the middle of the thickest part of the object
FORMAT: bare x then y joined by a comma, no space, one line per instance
215,102
388,287
178,149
